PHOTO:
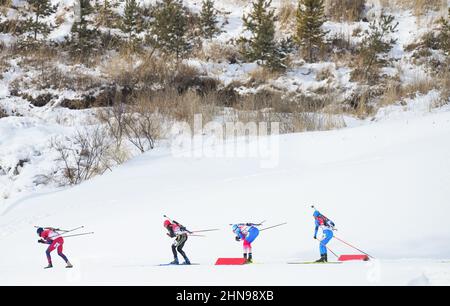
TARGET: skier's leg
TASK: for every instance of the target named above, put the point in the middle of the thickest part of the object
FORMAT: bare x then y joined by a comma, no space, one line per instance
174,251
50,249
247,250
60,252
180,248
323,245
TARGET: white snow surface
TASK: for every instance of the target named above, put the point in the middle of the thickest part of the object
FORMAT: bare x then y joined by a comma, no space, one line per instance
384,184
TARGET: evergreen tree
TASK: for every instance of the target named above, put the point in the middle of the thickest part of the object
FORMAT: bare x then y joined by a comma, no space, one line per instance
444,36
376,43
169,28
309,33
83,35
40,9
208,20
132,21
261,46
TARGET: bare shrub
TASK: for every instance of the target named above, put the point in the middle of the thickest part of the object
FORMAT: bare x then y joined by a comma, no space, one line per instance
3,113
219,52
325,73
444,82
345,10
142,126
392,94
83,156
287,13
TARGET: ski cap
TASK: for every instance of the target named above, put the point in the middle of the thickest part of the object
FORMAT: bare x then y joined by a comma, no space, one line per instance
166,223
316,213
39,231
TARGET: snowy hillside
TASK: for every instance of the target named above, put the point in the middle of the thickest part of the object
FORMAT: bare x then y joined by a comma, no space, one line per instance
385,185
49,95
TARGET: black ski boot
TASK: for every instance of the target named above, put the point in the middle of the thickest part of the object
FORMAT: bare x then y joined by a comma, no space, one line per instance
49,266
323,258
186,261
174,262
250,258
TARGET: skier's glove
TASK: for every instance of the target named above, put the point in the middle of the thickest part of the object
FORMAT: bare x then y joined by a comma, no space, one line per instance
237,238
315,237
41,241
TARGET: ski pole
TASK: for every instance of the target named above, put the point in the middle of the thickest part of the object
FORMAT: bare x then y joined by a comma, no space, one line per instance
72,230
82,234
196,235
353,247
272,226
207,230
257,224
329,250
320,241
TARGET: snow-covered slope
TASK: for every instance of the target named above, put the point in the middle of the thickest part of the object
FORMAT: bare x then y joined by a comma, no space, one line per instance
385,185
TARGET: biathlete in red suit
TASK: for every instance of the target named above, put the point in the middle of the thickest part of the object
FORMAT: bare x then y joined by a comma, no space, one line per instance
50,236
180,233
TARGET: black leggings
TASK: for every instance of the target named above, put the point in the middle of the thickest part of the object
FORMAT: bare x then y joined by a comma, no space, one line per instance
178,246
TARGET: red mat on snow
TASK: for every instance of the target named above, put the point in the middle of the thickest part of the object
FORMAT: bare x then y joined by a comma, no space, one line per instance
230,261
353,257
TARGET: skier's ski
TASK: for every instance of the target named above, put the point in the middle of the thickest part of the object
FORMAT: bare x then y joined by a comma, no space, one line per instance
314,263
181,264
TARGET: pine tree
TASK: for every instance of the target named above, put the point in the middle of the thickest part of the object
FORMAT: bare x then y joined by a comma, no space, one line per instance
208,20
444,35
83,35
309,33
169,28
376,43
40,9
261,46
132,21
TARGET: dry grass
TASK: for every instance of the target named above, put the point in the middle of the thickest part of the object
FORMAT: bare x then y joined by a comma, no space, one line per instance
396,92
325,73
4,5
218,52
418,7
344,10
262,75
3,113
287,14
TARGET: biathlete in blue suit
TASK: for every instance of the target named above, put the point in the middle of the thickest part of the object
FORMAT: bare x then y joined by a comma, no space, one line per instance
327,227
248,233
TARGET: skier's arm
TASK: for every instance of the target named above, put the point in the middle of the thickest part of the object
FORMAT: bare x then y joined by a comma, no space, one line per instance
171,234
45,241
316,230
184,230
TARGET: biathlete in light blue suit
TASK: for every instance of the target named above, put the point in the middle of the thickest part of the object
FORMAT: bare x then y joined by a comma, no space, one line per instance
327,227
248,233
